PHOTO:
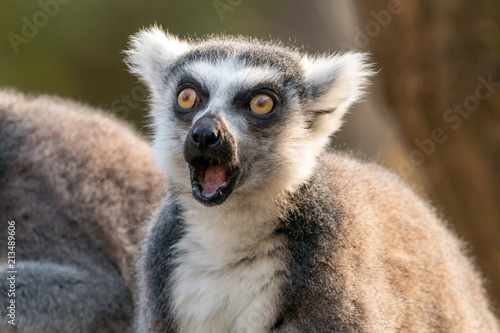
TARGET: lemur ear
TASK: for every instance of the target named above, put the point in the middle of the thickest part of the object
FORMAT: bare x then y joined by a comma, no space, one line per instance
151,51
335,82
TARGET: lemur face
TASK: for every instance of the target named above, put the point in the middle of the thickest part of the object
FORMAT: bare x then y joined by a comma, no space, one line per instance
237,118
230,108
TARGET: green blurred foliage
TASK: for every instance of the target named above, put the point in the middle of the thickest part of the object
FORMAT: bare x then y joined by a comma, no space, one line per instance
77,53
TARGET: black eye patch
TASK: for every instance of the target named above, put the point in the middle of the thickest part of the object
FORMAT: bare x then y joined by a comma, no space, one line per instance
188,81
243,96
257,122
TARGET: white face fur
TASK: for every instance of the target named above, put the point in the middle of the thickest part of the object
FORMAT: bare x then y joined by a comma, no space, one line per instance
274,153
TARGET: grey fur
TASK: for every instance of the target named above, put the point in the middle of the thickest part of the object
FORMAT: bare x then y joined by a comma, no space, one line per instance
79,185
308,241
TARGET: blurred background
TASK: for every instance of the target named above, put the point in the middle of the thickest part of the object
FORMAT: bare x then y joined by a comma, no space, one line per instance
432,114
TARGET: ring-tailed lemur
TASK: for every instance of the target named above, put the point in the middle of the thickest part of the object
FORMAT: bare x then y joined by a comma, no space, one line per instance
76,186
263,229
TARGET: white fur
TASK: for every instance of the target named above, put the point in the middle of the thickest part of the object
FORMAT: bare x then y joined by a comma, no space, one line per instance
151,51
347,75
214,290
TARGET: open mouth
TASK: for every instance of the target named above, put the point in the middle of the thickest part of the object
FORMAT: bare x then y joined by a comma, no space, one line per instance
212,179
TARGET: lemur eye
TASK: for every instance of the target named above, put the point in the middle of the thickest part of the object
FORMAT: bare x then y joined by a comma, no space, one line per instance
261,104
188,98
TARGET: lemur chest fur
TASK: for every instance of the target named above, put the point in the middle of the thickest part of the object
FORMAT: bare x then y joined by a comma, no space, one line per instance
227,277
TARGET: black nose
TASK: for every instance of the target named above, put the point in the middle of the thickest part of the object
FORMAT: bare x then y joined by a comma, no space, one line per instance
210,140
205,135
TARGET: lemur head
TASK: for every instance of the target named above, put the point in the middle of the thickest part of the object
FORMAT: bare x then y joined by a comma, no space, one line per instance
240,118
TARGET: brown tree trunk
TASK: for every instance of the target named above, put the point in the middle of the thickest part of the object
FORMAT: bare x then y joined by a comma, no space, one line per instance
435,57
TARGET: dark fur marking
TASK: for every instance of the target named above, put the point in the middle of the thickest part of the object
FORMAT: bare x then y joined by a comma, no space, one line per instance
159,264
278,323
252,54
314,232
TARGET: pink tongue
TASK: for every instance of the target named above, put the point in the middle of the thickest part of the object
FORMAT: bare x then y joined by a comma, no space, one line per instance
215,176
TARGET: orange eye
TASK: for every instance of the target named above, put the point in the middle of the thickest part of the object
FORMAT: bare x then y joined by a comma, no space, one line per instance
261,104
188,98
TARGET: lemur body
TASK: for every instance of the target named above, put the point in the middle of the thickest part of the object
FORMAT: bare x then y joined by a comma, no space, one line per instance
263,230
79,186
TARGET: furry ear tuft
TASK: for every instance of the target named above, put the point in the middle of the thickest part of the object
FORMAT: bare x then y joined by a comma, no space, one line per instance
335,83
152,50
